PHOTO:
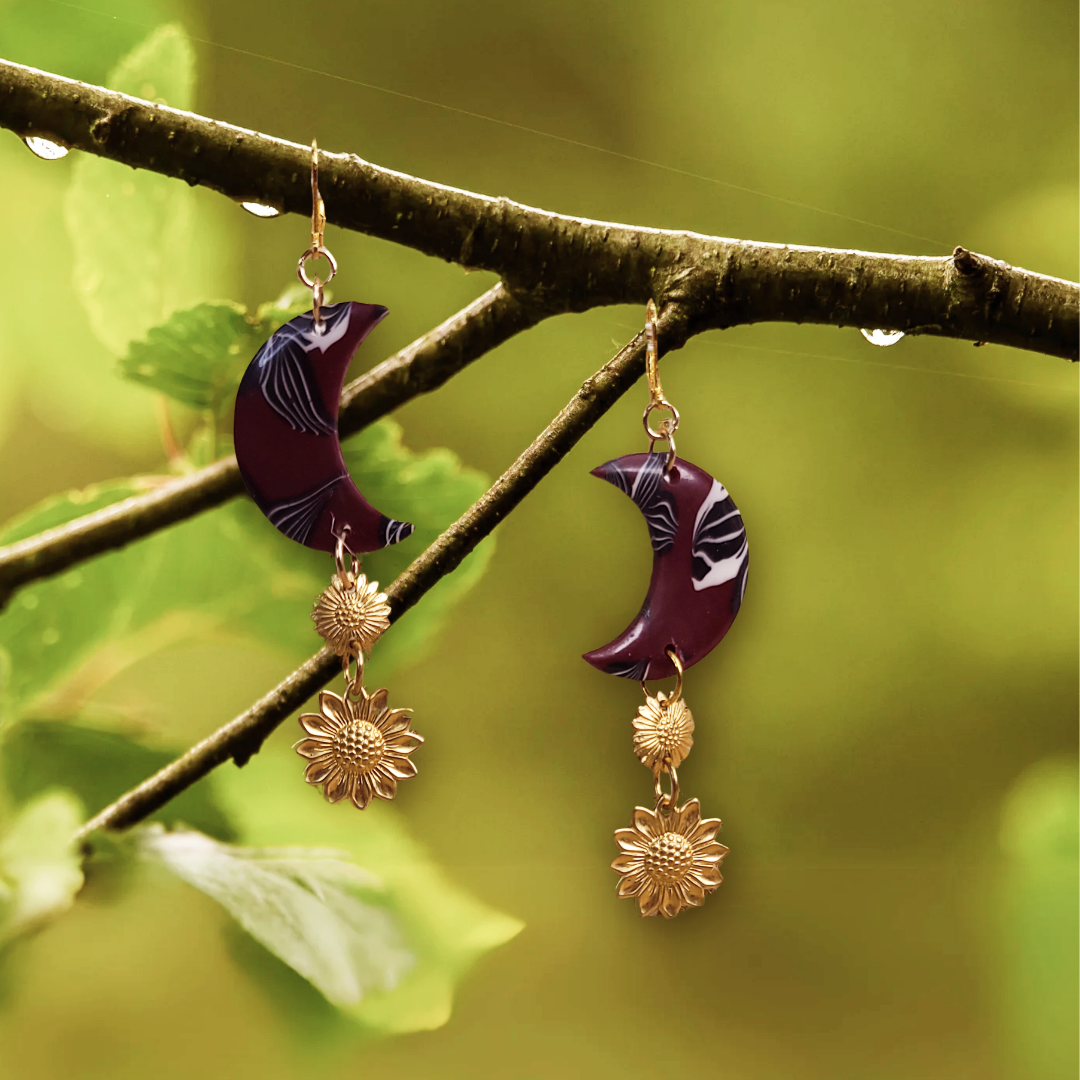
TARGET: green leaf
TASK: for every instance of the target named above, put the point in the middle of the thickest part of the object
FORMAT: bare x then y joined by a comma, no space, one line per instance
132,230
89,43
88,217
444,927
98,766
227,571
201,577
73,607
294,300
60,509
199,355
1039,821
39,867
1037,918
310,907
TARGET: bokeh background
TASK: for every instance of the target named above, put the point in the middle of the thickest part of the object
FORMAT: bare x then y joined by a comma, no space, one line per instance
889,731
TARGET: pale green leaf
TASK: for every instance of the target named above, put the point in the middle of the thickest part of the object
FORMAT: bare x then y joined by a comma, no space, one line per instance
310,907
89,43
197,357
294,300
1037,918
39,866
445,928
226,571
200,577
1040,820
98,766
59,509
132,230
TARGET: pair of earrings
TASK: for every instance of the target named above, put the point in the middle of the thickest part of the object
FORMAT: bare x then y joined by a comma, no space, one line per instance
358,748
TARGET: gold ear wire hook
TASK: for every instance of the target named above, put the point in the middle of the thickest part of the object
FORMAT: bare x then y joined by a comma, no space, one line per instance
318,227
652,355
668,426
318,207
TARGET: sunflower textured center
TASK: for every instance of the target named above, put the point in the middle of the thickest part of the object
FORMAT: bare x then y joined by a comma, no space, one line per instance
359,747
350,616
669,733
669,859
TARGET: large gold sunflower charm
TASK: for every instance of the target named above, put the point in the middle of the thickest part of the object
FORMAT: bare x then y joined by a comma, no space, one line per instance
662,730
358,747
669,861
351,614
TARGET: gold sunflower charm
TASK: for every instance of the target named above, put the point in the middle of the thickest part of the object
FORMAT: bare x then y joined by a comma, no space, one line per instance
662,730
669,861
351,614
358,747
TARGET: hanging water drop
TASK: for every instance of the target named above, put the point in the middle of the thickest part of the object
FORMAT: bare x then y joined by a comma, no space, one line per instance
882,337
45,149
260,209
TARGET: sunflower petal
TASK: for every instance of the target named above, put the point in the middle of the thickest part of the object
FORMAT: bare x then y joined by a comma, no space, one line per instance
311,748
317,724
335,708
337,787
647,823
377,703
396,720
629,840
631,885
649,900
689,816
626,864
693,893
713,853
708,877
671,903
704,832
318,771
400,767
385,785
361,794
405,743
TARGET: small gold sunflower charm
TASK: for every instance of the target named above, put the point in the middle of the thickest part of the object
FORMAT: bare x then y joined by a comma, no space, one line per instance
669,861
351,614
358,747
662,730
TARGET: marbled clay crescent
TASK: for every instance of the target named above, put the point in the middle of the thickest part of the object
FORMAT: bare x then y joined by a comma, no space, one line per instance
285,429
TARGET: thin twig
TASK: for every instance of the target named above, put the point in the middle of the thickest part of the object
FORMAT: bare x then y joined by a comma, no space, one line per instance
243,736
419,368
561,263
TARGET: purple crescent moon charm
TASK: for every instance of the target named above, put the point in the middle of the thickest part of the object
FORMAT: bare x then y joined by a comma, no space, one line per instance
700,559
286,433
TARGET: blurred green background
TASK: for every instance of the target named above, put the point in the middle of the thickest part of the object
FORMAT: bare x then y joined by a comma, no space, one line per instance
889,731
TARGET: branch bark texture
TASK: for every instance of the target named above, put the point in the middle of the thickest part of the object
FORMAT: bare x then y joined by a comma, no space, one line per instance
559,263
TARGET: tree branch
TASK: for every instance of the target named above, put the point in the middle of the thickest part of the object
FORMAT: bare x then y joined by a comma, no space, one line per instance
561,263
243,736
419,368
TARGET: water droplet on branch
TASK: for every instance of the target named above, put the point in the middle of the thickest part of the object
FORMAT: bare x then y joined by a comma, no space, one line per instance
260,209
45,149
882,337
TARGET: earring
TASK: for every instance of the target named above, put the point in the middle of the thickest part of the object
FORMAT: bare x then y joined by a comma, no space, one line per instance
285,431
670,859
